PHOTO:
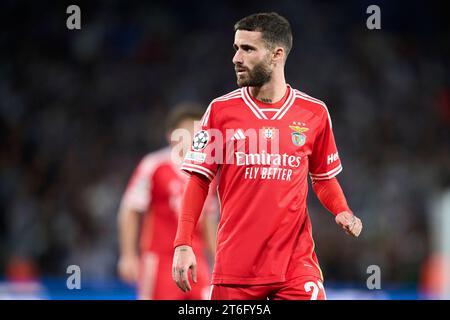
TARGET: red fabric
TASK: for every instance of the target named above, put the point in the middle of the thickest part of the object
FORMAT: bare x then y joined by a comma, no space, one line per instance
191,207
263,159
331,195
299,288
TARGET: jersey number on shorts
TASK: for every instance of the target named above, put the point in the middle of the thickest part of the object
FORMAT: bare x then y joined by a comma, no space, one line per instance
315,288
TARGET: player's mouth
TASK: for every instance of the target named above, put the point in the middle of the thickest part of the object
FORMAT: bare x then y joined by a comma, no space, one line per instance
240,71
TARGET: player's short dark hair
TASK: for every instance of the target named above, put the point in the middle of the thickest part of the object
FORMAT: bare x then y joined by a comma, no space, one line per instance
181,112
275,29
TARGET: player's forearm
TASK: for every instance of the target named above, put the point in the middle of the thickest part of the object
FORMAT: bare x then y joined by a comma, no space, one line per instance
330,194
128,232
191,208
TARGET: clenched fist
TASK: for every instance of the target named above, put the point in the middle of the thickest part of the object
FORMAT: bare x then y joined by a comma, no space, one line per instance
350,223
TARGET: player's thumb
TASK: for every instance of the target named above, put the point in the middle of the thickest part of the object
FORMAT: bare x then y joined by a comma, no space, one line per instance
339,220
194,273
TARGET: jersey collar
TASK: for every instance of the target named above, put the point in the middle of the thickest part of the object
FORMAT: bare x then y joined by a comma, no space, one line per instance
245,93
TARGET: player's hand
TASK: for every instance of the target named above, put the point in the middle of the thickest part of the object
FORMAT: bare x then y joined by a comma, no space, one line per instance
351,224
183,261
128,267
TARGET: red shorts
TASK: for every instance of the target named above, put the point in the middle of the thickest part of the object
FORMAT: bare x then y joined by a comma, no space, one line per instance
299,288
155,279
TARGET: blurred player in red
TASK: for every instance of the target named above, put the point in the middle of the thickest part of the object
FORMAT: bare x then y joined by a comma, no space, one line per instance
262,141
154,193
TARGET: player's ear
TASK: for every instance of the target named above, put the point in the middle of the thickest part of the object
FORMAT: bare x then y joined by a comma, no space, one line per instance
278,54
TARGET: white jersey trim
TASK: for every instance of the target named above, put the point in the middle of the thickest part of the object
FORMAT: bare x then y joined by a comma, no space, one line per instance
199,169
325,176
304,96
253,107
232,95
259,112
286,106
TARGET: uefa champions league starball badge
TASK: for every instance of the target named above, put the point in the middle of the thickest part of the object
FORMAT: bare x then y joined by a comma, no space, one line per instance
200,140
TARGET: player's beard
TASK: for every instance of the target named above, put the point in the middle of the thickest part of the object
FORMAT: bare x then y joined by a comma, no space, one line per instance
256,77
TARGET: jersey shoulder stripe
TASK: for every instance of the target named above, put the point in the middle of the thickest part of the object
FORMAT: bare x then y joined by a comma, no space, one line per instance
226,97
228,94
303,96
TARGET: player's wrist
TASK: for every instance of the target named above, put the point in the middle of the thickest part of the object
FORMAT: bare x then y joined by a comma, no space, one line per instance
345,211
182,241
183,247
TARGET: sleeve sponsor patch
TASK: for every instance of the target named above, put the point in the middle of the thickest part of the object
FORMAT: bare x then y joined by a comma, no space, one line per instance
195,156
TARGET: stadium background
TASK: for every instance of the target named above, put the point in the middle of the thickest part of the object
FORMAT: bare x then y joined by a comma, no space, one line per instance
78,109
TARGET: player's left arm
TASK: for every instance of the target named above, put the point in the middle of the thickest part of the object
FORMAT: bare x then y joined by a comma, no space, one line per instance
324,165
330,194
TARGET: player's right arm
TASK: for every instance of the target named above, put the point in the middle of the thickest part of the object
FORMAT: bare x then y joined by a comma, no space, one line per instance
191,208
202,167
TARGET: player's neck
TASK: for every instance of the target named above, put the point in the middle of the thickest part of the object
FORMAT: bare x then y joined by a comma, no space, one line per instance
270,92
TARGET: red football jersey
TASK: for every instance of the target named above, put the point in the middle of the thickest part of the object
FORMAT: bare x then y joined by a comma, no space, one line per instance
262,154
155,189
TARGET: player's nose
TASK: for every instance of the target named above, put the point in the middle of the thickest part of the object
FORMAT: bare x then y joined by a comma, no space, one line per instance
237,58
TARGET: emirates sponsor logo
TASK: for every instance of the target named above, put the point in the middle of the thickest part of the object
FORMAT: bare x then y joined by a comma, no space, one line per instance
264,158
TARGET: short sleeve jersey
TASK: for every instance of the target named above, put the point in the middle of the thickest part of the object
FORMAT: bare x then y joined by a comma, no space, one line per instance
263,154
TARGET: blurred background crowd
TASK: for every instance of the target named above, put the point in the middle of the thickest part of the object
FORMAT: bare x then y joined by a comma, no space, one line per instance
78,110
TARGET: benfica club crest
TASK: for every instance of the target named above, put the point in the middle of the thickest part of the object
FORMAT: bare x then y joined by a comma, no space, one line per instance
268,132
298,136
